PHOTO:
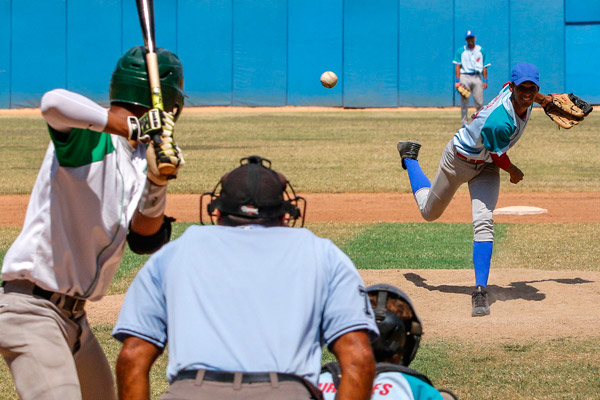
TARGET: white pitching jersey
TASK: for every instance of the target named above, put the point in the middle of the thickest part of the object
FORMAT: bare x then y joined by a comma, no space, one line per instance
76,224
494,129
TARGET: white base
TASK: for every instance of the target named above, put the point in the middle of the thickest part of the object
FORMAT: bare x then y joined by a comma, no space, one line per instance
520,210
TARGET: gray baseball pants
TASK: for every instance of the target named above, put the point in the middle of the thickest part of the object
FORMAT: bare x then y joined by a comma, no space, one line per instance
200,389
37,341
484,188
475,85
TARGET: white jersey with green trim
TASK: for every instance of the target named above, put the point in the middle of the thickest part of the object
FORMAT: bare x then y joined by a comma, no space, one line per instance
77,219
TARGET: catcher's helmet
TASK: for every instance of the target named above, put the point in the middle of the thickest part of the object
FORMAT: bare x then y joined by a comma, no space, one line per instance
396,336
255,192
129,81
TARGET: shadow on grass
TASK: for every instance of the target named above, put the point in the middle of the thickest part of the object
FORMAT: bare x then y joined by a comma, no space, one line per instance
516,290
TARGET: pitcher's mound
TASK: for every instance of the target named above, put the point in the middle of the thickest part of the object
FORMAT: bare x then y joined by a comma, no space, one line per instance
520,210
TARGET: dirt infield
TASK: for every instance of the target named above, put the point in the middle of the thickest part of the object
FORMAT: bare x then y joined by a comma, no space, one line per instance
379,207
526,304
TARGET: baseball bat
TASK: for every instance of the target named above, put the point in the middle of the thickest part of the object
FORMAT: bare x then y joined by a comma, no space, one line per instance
146,13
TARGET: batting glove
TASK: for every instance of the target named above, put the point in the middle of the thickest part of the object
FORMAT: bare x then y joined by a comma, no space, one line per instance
164,158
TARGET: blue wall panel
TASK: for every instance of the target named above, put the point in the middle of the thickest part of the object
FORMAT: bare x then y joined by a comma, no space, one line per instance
370,53
5,53
583,65
271,53
259,52
539,40
489,21
426,51
90,62
314,46
582,11
39,50
205,49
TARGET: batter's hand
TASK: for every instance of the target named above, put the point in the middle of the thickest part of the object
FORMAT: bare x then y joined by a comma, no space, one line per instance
485,85
456,85
516,175
166,152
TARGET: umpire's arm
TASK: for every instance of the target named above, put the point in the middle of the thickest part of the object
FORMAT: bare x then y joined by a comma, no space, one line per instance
354,353
133,368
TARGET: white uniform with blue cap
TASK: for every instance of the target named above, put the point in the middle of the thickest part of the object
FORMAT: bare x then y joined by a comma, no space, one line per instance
472,63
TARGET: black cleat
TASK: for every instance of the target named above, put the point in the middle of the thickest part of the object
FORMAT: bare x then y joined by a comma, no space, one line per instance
408,149
480,303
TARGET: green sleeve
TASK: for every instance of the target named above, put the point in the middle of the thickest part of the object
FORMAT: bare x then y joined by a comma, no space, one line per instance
458,56
485,61
80,147
421,390
497,131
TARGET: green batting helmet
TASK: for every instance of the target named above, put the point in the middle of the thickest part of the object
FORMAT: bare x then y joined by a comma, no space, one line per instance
129,81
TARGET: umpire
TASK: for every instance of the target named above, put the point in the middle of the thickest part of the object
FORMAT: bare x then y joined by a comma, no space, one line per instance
247,305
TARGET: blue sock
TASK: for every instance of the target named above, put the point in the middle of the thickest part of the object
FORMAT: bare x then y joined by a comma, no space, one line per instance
418,180
482,255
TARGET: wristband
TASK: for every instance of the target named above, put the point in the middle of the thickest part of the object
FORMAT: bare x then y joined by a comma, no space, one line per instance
457,80
134,128
154,200
485,81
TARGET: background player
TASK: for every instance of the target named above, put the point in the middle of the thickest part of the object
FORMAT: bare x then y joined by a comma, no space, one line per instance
247,305
470,70
475,155
400,332
91,189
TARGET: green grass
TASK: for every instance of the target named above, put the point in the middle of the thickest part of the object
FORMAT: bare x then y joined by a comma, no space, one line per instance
549,247
354,151
332,151
424,246
414,245
564,368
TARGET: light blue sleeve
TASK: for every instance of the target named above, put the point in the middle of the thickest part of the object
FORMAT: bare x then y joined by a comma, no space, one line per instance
143,313
421,390
458,56
497,131
347,306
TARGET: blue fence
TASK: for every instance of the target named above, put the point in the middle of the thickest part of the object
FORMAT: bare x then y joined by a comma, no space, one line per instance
386,53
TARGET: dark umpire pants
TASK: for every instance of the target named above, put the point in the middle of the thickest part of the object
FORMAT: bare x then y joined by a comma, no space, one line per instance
217,385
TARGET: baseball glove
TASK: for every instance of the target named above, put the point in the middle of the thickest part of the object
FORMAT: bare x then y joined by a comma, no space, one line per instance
464,92
567,110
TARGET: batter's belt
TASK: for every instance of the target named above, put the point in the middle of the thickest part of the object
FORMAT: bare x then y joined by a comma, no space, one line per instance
247,377
73,305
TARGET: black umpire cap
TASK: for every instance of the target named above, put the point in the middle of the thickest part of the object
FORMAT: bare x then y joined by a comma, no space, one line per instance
255,191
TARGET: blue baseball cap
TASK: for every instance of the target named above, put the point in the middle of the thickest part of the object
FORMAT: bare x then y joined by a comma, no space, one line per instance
469,33
524,72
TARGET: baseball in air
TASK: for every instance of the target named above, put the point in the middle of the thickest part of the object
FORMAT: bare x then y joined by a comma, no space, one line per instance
328,79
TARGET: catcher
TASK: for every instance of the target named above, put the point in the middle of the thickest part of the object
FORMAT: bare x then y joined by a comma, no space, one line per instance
476,154
400,331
